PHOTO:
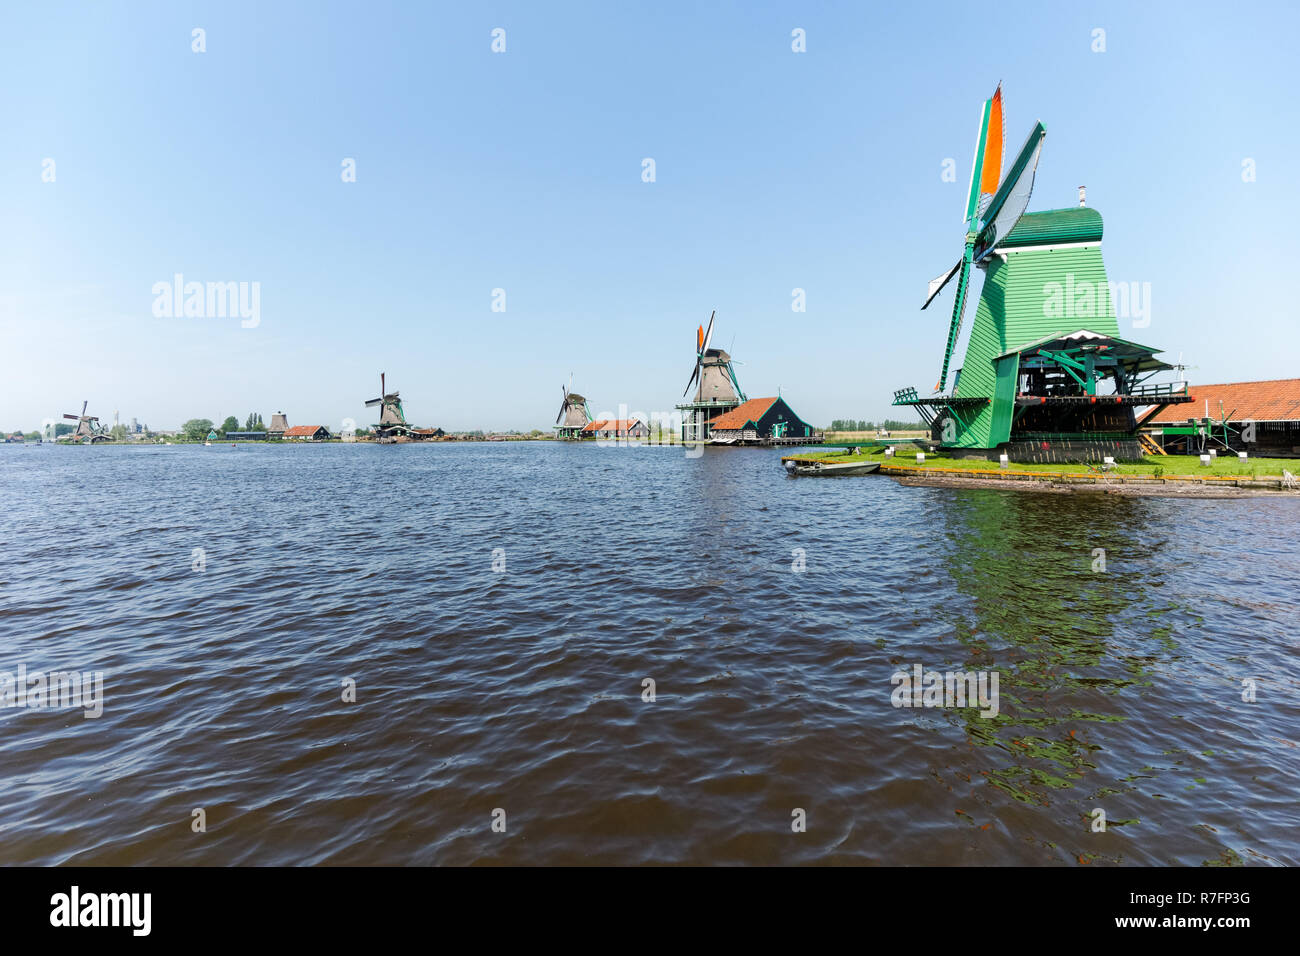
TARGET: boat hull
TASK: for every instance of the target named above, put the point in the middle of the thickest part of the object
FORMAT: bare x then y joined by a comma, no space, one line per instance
826,469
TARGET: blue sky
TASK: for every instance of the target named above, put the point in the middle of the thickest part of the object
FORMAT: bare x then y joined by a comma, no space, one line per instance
522,171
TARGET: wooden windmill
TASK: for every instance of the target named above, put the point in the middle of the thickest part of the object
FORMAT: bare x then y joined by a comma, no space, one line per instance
88,428
573,417
718,389
392,420
1046,376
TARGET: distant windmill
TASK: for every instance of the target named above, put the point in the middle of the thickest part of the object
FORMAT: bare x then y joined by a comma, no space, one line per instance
1183,368
718,389
88,427
573,416
392,420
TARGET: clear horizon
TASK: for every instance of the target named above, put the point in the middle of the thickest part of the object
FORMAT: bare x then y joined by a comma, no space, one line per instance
131,159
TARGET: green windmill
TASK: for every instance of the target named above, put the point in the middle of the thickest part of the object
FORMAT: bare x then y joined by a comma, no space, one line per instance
1046,376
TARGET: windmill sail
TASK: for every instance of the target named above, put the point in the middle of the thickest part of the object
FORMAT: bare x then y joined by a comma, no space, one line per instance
958,308
991,173
695,373
713,372
937,284
992,209
1013,197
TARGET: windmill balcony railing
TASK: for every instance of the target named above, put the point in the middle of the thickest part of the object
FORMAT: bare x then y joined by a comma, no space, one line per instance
1159,390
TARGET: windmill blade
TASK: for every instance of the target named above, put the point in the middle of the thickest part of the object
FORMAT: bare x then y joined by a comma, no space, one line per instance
708,334
991,173
977,164
1013,196
938,282
563,405
374,401
83,406
699,340
958,308
75,418
694,375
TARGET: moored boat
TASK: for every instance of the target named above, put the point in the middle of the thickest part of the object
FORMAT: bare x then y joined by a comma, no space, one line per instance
830,469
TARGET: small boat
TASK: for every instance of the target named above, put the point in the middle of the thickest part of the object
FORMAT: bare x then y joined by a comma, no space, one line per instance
830,469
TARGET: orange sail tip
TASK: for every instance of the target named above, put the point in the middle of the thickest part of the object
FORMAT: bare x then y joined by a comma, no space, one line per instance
991,176
699,340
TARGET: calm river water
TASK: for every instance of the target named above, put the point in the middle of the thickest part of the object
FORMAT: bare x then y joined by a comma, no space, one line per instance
496,610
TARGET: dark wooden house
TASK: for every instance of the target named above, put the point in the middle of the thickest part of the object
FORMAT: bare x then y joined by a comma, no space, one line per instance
758,420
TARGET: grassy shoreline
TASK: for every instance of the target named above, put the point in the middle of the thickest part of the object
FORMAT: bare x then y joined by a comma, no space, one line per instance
1172,467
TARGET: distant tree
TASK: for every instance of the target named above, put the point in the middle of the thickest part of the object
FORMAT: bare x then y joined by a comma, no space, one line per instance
63,428
33,436
118,432
231,424
196,429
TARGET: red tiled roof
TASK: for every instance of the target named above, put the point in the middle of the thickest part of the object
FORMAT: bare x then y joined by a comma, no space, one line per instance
301,431
1276,400
750,411
612,425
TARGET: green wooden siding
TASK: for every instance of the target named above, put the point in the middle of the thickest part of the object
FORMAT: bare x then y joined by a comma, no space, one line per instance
1017,307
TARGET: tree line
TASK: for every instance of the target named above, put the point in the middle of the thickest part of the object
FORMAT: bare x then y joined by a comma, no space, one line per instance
857,425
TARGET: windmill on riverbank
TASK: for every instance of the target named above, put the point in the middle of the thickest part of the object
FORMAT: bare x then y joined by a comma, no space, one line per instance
1046,376
88,428
718,390
392,419
573,417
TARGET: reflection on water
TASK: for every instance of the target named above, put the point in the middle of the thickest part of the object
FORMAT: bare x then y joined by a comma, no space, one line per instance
1078,602
769,613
